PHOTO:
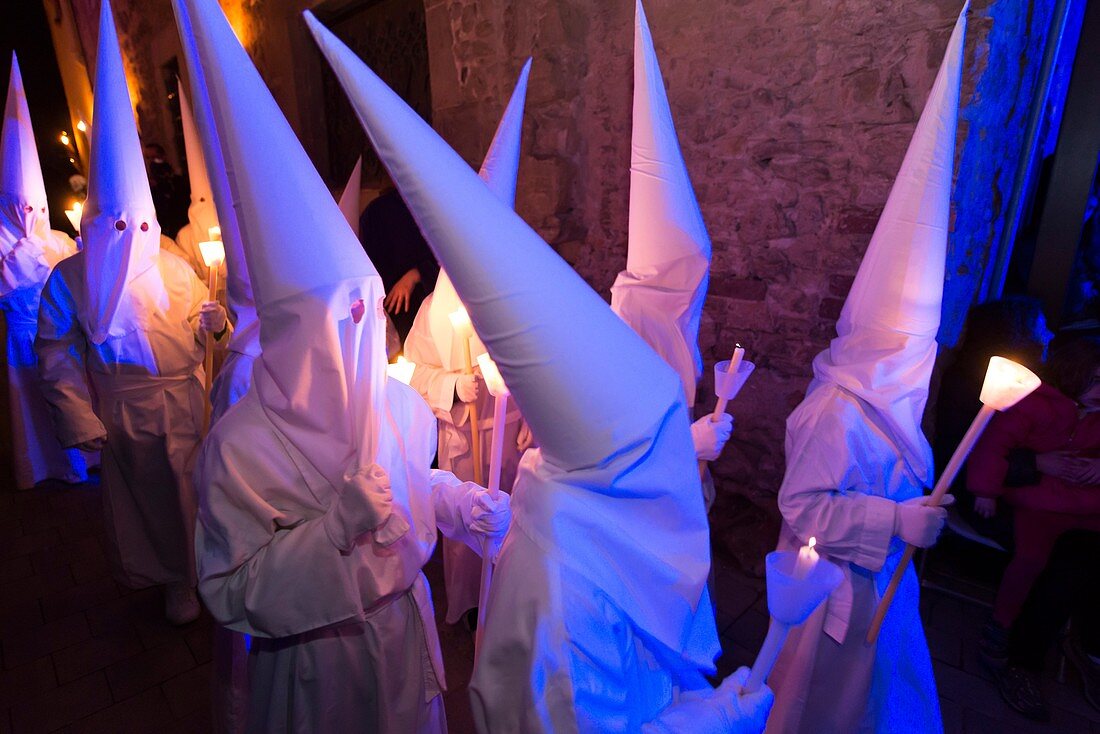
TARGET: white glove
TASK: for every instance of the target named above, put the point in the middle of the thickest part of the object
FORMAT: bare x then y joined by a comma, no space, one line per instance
918,524
365,504
490,517
468,388
212,317
710,437
746,712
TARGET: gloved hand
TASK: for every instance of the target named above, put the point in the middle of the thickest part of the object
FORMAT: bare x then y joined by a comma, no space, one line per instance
710,437
490,517
746,712
468,388
212,317
525,439
918,524
365,504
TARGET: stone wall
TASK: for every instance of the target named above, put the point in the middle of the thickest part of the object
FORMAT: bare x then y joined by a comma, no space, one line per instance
793,117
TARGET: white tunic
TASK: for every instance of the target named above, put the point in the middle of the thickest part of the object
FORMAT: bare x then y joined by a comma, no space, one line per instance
145,394
844,477
36,451
341,642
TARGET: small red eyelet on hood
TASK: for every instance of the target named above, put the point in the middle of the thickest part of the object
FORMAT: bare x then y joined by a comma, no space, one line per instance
358,309
120,225
28,209
144,226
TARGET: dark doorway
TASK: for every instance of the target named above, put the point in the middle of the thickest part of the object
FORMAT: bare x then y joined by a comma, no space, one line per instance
391,37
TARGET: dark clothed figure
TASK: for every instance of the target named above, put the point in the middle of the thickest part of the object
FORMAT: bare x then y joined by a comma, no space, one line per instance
394,244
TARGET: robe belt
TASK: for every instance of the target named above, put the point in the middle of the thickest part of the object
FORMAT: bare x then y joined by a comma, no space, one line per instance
121,383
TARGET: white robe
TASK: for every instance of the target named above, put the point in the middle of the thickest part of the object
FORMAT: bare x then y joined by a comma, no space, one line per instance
559,656
145,393
844,476
461,566
35,450
341,642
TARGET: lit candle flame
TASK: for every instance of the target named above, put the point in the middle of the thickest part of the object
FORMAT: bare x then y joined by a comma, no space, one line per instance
82,126
812,543
64,138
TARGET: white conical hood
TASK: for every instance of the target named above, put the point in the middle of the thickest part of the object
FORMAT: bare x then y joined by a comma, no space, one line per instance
322,371
119,224
24,215
615,476
886,336
202,213
349,198
662,290
21,174
500,172
238,286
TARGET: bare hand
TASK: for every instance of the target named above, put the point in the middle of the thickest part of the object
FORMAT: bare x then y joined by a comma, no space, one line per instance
1084,471
985,507
400,296
1061,464
212,317
525,439
95,444
468,388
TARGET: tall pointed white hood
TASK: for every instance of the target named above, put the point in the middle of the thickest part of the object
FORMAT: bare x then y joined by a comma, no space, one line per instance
199,117
886,335
500,172
24,214
322,371
349,197
615,474
202,213
662,290
119,224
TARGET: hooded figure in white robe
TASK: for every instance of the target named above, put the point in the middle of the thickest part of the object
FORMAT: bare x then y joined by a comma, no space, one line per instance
202,213
662,291
318,504
29,250
120,351
858,462
598,617
214,208
439,356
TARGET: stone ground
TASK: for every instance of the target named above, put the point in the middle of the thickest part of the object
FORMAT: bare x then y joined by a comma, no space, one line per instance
80,653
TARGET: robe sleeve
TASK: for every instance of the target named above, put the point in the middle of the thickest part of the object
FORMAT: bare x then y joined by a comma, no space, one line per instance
453,500
818,499
435,384
255,543
62,364
988,465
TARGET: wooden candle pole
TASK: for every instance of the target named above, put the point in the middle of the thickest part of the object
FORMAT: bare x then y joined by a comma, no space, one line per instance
949,473
208,360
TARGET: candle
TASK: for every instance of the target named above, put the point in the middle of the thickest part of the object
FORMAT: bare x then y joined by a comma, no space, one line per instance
401,370
460,322
64,138
1006,383
74,215
495,382
807,559
735,360
213,253
82,126
214,233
